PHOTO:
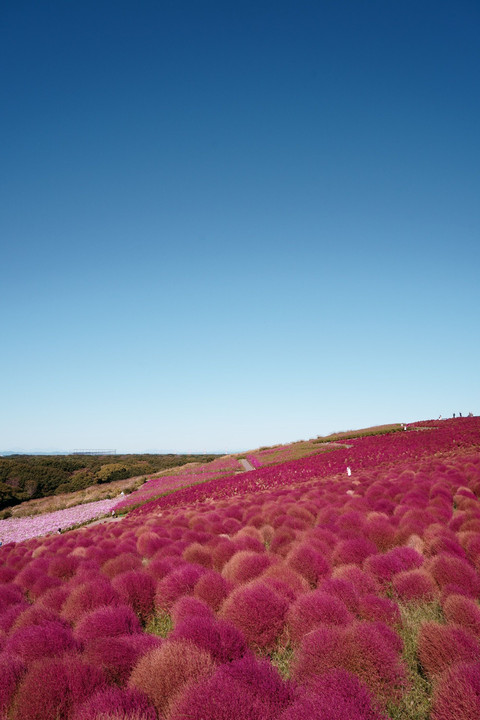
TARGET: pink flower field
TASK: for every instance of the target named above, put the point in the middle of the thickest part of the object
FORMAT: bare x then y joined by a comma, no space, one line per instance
290,592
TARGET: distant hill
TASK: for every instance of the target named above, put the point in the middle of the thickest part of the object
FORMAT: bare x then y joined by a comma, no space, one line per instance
25,477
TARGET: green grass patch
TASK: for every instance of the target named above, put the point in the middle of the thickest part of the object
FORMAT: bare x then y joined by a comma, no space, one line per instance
416,702
161,624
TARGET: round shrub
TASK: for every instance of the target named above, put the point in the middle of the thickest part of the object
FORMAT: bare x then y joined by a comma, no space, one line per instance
457,693
313,609
175,584
245,565
440,646
354,552
33,642
117,656
258,612
366,649
11,670
463,611
337,695
246,688
189,606
107,622
116,704
89,596
414,585
309,563
136,589
218,637
372,607
212,589
121,563
384,566
52,687
162,672
450,570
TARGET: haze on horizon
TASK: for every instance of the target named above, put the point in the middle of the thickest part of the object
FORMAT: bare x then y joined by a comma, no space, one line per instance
226,226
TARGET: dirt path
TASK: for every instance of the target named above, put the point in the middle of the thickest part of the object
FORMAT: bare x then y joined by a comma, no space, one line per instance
247,465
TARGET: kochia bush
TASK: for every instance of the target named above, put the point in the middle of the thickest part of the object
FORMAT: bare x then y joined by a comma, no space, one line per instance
313,609
116,704
457,693
441,645
258,612
107,622
162,672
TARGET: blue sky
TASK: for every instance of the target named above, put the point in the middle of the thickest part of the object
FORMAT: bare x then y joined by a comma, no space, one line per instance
226,225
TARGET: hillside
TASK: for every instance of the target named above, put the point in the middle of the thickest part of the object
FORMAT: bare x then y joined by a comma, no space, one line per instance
342,584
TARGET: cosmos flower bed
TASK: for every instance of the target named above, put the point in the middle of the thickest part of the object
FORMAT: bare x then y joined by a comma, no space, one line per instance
22,528
306,594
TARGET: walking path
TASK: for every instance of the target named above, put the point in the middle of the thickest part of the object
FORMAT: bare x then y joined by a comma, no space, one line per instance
247,465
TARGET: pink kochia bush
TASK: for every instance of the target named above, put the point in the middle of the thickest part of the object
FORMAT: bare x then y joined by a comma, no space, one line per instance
337,695
441,645
457,693
221,639
11,670
258,611
136,589
414,585
53,687
33,642
89,596
107,622
247,688
162,672
116,704
453,573
463,611
313,609
362,648
116,656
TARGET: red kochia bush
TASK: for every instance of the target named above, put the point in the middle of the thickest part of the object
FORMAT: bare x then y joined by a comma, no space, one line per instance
212,588
342,589
257,611
9,616
177,583
116,704
121,563
338,695
87,597
137,590
107,622
353,551
11,670
37,641
313,609
162,672
383,567
245,565
363,648
449,570
116,656
221,639
246,689
413,585
463,611
363,582
189,606
53,686
9,595
457,693
439,646
372,607
308,562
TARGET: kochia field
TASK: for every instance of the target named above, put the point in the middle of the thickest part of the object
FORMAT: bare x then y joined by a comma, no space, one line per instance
296,590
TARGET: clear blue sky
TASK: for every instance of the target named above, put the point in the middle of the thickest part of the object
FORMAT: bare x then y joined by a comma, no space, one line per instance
226,225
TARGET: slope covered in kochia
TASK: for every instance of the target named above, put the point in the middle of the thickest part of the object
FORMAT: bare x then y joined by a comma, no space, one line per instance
283,593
